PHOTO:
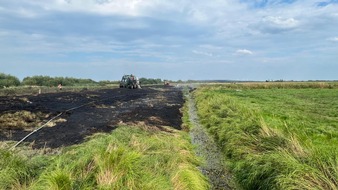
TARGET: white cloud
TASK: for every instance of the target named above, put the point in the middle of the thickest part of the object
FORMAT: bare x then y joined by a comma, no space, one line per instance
210,47
105,7
276,24
334,39
202,53
282,22
244,52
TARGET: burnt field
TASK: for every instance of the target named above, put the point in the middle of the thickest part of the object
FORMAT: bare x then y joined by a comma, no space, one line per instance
85,113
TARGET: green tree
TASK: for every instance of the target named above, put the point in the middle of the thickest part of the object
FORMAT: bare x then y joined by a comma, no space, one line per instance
8,80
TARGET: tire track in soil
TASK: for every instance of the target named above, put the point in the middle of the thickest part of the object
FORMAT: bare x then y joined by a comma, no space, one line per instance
206,148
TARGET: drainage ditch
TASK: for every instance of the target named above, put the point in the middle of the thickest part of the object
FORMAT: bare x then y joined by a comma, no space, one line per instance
213,167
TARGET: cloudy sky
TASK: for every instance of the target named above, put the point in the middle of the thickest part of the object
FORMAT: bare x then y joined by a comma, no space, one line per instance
176,39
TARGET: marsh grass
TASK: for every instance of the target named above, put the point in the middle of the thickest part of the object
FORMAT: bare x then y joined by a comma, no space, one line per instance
278,85
186,124
17,171
129,158
275,138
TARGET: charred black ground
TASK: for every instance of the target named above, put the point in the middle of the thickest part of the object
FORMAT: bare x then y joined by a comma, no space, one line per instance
102,111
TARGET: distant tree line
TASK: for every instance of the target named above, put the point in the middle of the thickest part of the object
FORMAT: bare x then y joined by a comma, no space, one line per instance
54,81
9,80
144,81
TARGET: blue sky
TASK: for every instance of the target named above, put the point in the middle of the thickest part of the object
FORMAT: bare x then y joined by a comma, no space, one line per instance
181,39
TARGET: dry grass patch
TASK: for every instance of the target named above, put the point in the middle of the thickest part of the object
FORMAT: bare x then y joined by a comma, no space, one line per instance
21,120
54,122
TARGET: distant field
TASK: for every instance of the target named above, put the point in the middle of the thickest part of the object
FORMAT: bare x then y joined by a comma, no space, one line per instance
310,113
275,136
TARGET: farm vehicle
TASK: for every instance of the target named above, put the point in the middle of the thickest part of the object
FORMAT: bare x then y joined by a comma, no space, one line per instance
130,81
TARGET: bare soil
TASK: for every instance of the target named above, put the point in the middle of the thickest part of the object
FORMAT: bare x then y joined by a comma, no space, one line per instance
96,111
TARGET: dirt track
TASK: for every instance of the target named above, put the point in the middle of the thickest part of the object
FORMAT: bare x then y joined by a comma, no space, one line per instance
103,110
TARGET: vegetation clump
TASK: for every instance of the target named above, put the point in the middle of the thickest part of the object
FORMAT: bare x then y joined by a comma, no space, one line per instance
21,120
8,80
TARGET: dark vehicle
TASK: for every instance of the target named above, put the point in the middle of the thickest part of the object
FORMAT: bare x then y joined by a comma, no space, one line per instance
130,81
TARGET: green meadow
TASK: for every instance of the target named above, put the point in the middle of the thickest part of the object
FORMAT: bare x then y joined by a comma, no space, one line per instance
275,136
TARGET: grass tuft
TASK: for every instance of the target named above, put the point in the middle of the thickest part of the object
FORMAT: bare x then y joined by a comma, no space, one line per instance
58,179
17,171
188,177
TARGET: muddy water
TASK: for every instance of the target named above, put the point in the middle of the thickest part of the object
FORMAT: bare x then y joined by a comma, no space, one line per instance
206,148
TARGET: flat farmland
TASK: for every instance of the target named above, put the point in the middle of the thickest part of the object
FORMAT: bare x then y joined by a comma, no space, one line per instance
275,137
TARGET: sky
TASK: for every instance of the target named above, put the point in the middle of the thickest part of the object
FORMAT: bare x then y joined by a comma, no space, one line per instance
176,39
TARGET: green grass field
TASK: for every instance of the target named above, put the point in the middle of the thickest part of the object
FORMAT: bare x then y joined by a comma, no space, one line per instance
129,158
282,136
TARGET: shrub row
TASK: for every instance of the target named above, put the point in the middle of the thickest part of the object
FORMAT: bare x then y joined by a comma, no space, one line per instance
9,81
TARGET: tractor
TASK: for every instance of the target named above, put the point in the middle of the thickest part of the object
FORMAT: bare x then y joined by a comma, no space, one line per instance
130,81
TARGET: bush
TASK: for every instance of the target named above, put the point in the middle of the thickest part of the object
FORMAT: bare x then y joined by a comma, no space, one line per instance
144,81
8,80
